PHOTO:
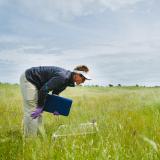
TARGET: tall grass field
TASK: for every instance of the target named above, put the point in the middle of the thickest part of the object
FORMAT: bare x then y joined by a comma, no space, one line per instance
128,121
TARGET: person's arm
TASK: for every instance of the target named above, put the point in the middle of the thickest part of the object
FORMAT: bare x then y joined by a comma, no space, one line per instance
58,91
53,84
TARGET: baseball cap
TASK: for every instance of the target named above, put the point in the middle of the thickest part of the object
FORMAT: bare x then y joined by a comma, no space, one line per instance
84,74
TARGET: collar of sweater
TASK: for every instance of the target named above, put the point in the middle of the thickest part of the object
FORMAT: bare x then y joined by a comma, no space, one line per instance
70,81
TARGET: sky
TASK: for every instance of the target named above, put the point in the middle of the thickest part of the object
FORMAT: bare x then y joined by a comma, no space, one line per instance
119,40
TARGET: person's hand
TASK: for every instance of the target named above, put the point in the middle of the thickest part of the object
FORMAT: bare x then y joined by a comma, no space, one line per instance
55,113
37,112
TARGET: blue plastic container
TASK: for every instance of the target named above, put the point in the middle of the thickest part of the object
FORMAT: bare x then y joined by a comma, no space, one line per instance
57,104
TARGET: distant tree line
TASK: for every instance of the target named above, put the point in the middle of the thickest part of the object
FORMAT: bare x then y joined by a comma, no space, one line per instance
118,85
96,85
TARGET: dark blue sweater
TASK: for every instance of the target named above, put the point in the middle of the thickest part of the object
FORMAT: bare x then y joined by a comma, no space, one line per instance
49,78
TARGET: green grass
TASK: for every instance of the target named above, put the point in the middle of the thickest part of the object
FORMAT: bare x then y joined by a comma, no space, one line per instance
128,119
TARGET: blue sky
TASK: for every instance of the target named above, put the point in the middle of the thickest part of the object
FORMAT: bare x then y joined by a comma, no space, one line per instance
119,40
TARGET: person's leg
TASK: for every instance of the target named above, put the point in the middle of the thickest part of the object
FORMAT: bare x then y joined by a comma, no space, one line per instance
30,97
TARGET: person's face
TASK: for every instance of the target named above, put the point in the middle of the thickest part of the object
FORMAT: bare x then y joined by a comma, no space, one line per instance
79,79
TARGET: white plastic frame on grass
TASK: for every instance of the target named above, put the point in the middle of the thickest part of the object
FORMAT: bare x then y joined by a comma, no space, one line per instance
78,130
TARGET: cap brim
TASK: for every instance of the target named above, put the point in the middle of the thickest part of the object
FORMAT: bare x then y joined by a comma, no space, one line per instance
85,75
88,78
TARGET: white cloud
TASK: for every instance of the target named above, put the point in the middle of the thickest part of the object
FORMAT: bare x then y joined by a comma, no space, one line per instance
63,9
119,46
114,62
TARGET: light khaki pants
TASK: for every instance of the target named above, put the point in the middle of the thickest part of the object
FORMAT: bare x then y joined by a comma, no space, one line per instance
30,98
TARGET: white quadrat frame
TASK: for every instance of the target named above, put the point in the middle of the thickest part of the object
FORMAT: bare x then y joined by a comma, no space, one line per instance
92,126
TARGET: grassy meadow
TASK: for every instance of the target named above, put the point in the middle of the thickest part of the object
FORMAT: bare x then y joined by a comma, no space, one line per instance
128,119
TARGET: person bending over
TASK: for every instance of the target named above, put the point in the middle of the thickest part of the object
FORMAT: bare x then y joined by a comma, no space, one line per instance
37,82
